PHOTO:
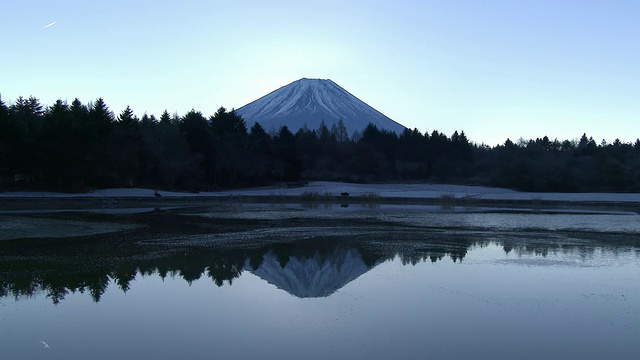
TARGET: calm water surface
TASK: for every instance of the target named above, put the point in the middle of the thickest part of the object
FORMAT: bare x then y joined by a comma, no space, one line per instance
475,296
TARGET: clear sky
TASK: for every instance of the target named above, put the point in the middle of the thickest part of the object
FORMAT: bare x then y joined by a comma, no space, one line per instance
493,68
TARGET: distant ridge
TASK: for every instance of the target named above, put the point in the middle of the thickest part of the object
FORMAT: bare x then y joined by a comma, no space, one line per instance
309,102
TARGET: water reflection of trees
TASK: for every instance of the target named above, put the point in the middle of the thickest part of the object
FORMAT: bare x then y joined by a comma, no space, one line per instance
93,275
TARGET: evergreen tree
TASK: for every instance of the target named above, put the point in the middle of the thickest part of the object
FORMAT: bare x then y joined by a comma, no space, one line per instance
148,121
308,149
261,155
126,149
288,168
230,133
28,114
25,124
198,135
169,155
57,142
82,140
96,132
165,117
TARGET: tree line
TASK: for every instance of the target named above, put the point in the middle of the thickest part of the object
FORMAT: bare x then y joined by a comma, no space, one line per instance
76,147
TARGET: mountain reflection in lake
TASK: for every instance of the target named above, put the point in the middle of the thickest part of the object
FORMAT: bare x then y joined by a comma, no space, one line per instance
316,267
349,291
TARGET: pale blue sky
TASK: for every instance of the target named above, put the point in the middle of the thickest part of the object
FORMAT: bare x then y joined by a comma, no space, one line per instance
495,69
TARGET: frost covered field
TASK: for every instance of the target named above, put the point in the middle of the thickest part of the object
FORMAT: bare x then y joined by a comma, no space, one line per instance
402,191
468,199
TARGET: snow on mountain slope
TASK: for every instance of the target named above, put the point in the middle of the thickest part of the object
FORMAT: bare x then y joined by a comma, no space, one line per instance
310,101
312,277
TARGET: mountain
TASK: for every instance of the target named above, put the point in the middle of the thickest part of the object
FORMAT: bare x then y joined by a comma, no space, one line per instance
310,101
311,277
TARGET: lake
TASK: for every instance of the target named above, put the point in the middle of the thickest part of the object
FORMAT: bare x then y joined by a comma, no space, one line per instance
292,281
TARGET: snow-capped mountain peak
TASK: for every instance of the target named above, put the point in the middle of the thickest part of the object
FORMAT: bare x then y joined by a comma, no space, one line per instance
311,101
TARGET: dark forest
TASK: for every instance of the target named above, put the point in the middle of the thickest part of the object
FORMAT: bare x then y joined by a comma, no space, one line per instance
78,147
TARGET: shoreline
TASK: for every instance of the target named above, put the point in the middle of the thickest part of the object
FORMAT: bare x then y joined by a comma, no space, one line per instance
9,204
324,192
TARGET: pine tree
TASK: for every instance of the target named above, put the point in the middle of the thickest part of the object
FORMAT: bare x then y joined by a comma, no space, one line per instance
165,117
126,148
58,143
230,134
285,150
198,135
